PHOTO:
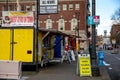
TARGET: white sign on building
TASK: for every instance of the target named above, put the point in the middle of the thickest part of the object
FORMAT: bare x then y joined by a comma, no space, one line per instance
106,41
48,2
48,6
16,18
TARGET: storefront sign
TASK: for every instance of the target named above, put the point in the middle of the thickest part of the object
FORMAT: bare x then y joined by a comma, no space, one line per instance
84,65
12,19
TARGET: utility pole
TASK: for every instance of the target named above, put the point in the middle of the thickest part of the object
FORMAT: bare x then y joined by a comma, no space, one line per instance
95,69
77,41
36,31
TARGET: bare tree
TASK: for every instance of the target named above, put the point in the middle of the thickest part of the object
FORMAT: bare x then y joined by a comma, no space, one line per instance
116,17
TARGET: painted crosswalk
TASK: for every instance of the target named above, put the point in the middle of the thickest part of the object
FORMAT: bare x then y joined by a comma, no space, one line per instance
106,64
24,78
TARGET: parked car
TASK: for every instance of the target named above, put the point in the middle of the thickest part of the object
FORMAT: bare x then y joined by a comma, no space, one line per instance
115,51
110,47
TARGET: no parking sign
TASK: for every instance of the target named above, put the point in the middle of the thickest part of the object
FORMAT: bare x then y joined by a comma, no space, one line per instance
96,19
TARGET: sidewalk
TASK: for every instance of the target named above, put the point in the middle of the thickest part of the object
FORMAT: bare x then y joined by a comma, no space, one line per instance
65,71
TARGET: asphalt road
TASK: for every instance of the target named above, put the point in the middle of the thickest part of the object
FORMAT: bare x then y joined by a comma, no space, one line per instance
112,62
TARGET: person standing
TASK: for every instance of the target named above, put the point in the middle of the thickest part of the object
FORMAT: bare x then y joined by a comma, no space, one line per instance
66,55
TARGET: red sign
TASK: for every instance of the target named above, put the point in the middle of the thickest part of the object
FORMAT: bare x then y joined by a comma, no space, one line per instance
96,19
11,19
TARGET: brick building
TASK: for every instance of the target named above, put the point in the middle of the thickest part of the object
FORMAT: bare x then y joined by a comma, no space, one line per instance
71,17
115,33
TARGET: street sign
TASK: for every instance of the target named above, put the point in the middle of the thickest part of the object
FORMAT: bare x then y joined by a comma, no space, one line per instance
96,19
93,20
90,20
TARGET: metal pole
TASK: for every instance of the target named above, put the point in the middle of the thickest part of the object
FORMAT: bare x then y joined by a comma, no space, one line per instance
95,69
77,43
37,18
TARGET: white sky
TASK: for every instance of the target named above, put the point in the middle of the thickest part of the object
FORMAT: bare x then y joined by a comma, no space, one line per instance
105,9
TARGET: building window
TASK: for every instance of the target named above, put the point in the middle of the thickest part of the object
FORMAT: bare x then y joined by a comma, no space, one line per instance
64,7
59,7
77,6
61,24
4,8
15,7
49,24
39,23
74,23
22,8
11,8
27,8
70,6
33,7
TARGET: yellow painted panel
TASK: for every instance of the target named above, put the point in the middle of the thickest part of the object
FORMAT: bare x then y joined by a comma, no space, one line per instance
5,44
52,49
40,51
23,47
